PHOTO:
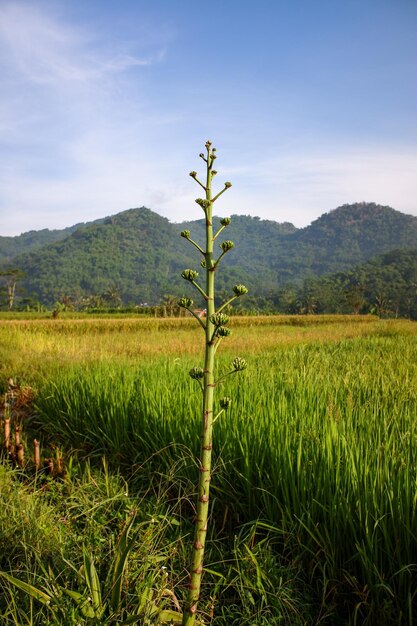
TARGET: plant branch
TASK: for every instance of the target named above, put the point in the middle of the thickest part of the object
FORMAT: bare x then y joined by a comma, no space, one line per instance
197,286
199,320
199,248
218,232
220,380
226,186
218,415
225,304
220,258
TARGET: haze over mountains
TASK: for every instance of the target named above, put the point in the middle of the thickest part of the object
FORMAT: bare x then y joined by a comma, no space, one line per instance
141,255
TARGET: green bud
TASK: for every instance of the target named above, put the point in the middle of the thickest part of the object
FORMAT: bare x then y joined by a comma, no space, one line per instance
225,402
219,319
227,245
240,290
208,143
225,221
239,364
227,185
186,234
185,303
193,174
196,373
222,331
203,263
203,203
189,275
201,155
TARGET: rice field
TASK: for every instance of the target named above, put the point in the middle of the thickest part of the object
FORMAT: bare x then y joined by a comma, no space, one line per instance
318,450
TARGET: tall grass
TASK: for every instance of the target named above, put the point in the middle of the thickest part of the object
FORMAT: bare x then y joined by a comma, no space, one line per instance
50,531
320,443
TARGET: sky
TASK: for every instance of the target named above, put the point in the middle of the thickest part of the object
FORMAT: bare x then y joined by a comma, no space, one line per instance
105,106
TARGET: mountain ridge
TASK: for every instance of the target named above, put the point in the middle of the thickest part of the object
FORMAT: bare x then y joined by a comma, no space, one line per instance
141,254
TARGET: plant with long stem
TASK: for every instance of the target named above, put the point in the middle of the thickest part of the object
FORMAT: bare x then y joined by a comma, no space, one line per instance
215,328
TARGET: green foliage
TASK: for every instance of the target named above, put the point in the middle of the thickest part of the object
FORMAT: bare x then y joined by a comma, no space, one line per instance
137,252
385,285
96,599
95,528
96,534
330,393
346,409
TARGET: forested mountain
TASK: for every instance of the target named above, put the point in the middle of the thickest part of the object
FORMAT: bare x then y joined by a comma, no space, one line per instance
354,233
10,247
340,239
138,255
135,252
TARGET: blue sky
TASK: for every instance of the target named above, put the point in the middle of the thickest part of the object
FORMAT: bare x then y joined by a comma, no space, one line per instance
106,105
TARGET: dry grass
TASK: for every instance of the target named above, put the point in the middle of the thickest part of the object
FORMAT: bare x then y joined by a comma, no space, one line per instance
30,346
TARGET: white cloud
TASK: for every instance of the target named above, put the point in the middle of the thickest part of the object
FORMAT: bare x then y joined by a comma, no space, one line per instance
294,188
44,50
300,187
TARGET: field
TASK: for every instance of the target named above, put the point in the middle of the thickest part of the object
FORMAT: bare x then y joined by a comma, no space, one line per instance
314,488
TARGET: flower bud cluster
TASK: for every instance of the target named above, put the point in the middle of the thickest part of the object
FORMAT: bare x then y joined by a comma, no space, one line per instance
227,185
196,373
227,245
239,364
225,221
193,174
222,331
219,319
225,402
189,275
185,303
203,203
240,290
186,234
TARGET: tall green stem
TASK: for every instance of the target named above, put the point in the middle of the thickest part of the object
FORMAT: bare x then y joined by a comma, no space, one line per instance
200,532
214,331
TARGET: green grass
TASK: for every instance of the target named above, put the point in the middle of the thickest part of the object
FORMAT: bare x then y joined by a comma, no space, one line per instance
315,478
48,528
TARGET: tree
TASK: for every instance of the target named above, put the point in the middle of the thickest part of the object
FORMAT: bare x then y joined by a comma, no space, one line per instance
9,279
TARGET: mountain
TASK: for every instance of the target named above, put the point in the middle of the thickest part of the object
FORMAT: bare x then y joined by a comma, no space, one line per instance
135,251
340,239
10,247
140,255
353,233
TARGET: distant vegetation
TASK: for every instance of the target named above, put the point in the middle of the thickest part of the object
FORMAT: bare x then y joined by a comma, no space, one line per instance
357,258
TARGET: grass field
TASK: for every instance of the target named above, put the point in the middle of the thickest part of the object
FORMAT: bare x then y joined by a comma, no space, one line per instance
315,481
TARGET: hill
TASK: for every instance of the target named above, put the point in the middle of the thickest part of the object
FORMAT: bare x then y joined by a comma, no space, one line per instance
386,285
139,255
353,233
11,247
